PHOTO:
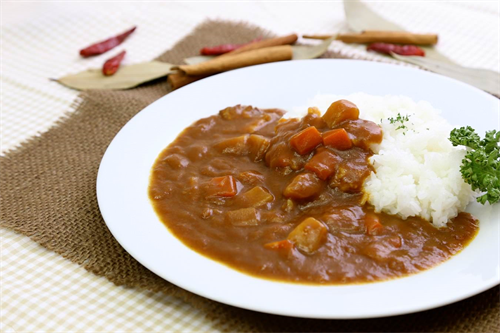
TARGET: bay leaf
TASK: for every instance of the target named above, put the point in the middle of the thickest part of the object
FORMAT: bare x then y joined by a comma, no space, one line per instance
484,79
311,52
127,76
359,18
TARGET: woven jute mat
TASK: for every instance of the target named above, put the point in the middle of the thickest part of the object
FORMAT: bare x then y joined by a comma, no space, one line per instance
48,193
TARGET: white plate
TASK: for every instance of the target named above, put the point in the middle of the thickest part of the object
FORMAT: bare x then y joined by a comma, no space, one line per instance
123,177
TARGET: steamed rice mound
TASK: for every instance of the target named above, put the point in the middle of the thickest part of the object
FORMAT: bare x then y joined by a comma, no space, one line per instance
417,170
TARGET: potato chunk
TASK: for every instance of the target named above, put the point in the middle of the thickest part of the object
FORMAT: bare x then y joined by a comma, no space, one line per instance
236,146
340,111
257,147
256,197
309,235
243,217
303,186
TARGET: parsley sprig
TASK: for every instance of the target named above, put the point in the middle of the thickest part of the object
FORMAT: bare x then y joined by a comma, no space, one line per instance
481,165
399,120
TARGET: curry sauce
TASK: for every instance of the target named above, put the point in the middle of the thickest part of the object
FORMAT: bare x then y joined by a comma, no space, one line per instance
282,199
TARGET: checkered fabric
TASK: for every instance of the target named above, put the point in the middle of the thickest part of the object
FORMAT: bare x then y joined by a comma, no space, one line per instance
39,290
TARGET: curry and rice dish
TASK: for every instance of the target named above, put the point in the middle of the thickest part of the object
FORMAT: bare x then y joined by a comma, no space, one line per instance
298,199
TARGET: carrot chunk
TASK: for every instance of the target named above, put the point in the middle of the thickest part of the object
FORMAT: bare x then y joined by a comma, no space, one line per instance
221,187
284,248
339,111
279,245
306,140
373,225
338,139
323,163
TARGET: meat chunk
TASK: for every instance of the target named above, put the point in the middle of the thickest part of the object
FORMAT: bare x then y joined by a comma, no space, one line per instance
324,163
363,133
258,118
340,111
281,156
253,145
349,220
251,177
304,185
352,172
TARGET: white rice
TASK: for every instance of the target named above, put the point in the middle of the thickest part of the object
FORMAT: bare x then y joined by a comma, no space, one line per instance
417,168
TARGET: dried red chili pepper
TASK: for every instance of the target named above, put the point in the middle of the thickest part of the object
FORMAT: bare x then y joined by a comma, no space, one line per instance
105,45
111,65
223,48
219,49
406,50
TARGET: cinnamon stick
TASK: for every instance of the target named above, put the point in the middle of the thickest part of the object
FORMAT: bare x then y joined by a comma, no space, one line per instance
322,37
180,79
374,36
248,58
285,40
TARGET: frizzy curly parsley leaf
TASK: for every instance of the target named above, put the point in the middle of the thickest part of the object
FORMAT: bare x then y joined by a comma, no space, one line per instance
465,136
481,165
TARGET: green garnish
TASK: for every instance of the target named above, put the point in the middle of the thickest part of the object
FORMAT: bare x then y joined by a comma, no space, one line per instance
481,165
399,120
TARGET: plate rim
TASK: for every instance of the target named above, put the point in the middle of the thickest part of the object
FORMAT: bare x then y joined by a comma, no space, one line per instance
126,246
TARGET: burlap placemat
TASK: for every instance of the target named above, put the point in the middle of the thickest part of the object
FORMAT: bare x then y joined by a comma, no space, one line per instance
48,193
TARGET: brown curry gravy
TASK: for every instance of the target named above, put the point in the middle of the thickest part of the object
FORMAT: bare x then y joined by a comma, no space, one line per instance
348,252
